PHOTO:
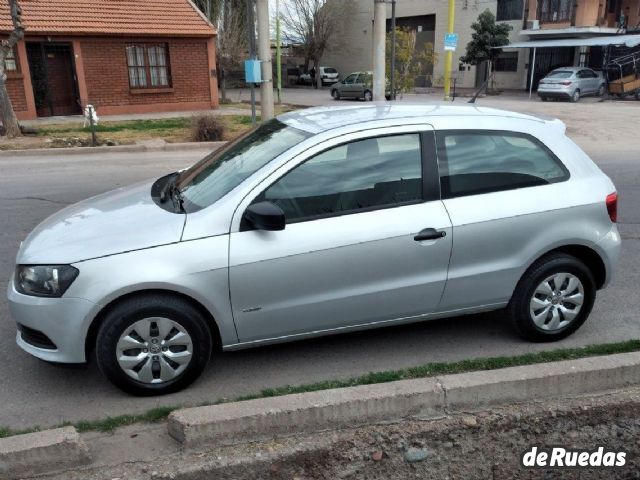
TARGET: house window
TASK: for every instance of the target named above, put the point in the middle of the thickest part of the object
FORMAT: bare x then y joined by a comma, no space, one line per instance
507,62
555,11
148,66
10,64
510,10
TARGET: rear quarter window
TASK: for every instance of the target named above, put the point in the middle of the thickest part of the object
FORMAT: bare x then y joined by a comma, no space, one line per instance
476,162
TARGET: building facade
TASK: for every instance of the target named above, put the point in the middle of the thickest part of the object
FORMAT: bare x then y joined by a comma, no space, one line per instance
121,56
353,50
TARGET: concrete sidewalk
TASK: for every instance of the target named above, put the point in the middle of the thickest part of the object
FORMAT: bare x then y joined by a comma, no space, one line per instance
148,450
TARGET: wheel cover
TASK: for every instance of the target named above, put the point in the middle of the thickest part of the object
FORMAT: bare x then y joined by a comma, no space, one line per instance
556,301
154,350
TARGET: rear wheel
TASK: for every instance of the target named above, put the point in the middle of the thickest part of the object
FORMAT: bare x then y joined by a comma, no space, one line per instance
368,96
575,97
153,344
553,298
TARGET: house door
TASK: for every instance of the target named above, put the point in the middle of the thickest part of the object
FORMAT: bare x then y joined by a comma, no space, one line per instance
54,79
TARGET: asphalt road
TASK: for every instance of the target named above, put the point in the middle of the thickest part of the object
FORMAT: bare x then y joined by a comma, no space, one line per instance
35,393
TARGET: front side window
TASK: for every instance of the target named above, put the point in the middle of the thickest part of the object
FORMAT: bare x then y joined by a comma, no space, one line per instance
473,163
148,66
365,174
350,79
220,172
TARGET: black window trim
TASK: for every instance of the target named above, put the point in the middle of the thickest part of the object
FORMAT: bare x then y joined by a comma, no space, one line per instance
441,154
430,185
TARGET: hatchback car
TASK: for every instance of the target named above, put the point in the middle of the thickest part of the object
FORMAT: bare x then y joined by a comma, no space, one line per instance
322,221
571,83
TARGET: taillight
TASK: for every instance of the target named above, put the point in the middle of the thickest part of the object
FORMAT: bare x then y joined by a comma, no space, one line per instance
566,82
612,206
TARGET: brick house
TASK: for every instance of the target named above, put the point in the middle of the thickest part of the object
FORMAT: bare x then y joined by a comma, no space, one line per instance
122,56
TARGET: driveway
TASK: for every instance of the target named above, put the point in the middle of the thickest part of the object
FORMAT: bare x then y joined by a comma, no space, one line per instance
35,393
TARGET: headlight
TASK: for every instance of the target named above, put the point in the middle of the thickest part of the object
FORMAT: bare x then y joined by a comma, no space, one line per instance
44,280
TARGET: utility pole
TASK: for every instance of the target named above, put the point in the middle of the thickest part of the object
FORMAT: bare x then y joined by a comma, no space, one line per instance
393,49
448,59
251,29
264,54
379,37
278,53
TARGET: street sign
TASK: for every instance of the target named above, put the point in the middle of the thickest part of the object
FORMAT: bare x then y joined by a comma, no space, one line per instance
252,71
450,41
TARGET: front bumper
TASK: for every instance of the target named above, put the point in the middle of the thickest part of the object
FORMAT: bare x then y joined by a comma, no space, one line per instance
65,321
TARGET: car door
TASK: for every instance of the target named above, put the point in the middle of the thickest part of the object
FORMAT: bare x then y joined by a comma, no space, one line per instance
501,190
354,250
348,87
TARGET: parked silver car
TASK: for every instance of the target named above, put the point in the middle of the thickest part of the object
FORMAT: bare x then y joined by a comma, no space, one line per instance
322,221
571,83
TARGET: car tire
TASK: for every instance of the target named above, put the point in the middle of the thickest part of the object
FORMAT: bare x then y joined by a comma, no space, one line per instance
575,96
637,94
368,96
543,311
602,90
335,94
544,99
166,334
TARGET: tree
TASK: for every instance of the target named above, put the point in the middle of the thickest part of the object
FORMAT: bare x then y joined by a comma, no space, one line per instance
7,114
486,34
230,19
311,24
410,61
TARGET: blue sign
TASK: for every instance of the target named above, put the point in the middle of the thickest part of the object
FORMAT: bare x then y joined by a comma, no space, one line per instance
252,71
451,41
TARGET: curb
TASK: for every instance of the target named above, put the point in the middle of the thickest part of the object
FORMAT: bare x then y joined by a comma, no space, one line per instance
66,151
41,452
426,397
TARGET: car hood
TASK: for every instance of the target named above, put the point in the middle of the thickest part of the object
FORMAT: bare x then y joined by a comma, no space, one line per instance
118,221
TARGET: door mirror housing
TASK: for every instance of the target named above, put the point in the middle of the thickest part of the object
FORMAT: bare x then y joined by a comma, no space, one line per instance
265,216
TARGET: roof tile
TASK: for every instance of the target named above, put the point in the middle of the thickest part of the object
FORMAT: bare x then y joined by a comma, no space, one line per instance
109,17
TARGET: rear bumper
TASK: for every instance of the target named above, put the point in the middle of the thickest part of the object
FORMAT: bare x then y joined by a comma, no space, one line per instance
63,321
609,249
566,94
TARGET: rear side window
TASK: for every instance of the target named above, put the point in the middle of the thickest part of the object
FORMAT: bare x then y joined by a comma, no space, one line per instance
476,162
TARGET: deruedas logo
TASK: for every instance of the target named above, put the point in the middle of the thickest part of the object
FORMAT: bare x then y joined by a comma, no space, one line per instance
560,457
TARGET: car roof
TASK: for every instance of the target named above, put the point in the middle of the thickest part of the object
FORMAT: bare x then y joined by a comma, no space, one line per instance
571,69
321,119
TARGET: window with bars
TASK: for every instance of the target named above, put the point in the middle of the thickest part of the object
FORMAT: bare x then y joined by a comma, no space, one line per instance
510,10
555,11
148,66
507,62
10,64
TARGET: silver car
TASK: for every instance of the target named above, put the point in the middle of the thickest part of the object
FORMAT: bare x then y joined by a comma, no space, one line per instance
322,221
571,83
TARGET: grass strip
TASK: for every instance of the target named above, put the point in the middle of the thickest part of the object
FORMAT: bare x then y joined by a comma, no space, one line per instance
136,125
427,370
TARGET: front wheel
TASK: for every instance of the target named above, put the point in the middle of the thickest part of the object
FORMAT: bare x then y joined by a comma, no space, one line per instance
553,298
368,96
335,94
153,344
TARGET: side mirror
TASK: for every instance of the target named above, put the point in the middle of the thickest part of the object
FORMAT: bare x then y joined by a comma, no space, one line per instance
265,216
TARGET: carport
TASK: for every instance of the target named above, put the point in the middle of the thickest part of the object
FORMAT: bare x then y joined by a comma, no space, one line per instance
629,41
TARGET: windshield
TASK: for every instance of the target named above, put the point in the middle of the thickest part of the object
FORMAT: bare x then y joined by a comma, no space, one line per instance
220,172
330,70
560,74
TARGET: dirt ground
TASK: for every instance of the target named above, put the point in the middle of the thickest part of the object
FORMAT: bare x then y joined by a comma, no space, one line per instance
468,446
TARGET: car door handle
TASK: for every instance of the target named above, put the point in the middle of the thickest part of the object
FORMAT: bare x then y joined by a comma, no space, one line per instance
429,234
